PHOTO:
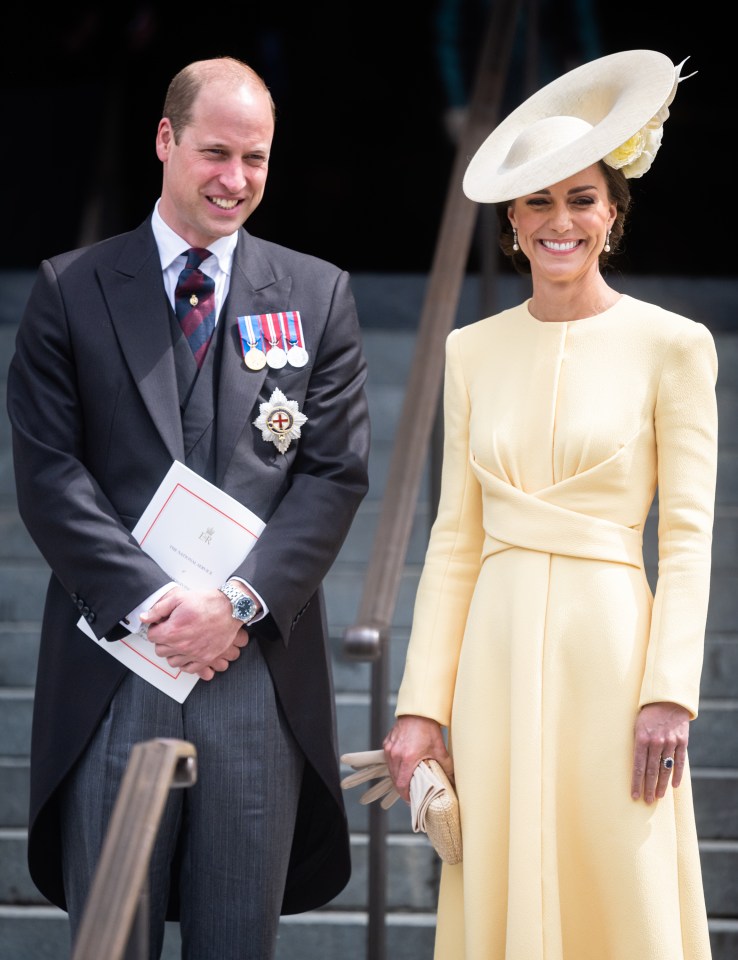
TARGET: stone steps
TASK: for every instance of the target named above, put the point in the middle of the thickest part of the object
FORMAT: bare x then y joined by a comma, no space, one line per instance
41,933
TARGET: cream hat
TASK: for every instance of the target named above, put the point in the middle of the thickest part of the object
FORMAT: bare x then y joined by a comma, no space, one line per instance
611,109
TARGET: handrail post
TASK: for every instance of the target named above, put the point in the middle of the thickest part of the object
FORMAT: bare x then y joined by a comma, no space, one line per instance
376,932
137,946
372,643
115,920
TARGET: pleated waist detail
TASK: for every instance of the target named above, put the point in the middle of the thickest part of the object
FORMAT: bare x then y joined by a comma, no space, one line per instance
529,521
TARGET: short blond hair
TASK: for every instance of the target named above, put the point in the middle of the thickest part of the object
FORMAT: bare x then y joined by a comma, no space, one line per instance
186,85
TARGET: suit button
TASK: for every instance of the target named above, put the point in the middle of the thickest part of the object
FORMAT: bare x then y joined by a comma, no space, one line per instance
90,617
75,597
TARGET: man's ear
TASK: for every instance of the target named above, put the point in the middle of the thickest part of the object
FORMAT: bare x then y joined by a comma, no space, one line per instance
164,139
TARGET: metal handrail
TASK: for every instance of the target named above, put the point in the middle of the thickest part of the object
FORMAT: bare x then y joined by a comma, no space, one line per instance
115,920
426,374
368,639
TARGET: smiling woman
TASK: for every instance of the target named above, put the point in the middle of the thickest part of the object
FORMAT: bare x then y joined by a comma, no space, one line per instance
562,232
534,617
616,193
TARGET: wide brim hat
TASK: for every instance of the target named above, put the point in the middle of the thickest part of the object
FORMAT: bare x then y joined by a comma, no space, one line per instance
582,117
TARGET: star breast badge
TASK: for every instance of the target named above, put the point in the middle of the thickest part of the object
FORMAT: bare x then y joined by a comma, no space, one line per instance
279,421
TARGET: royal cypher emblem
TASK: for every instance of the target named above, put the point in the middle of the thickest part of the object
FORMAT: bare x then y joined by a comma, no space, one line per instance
279,421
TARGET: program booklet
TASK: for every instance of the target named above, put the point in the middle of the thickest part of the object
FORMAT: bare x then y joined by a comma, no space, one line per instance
199,535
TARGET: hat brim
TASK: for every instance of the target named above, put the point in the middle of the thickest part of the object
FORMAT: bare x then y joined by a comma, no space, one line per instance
615,95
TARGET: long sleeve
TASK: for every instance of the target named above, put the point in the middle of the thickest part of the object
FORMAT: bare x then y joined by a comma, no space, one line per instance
61,457
686,438
451,565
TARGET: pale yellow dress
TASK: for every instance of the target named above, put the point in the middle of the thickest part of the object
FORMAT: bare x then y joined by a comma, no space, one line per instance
536,638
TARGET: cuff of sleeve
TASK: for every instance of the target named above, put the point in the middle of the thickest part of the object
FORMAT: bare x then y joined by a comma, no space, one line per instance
132,622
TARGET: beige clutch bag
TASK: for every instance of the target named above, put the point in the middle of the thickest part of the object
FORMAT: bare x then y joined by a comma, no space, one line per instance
434,807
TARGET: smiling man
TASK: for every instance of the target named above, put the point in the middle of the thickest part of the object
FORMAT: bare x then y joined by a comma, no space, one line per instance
188,339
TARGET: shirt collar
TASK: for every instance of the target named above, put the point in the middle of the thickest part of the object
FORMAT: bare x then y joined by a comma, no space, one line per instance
171,245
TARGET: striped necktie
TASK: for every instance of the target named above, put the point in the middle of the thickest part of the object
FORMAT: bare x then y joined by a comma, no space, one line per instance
194,299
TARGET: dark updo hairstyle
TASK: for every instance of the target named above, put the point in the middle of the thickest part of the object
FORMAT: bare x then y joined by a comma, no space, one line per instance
618,193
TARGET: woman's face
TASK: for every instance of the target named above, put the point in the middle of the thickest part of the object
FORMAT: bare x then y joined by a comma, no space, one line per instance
562,229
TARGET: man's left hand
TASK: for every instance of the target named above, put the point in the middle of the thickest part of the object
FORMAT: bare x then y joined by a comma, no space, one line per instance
194,631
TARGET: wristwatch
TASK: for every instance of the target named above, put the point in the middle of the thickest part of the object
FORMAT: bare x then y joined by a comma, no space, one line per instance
244,608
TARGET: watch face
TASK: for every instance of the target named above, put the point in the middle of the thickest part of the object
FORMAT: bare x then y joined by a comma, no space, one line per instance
244,608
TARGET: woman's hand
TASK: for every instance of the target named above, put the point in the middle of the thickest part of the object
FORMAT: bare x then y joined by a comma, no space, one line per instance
411,740
661,731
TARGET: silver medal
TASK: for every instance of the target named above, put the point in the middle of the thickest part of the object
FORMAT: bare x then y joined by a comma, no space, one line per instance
276,357
297,356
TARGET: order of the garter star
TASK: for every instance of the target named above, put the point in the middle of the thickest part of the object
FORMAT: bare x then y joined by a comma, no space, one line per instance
280,420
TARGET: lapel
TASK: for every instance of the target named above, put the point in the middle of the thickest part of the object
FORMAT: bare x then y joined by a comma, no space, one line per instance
135,296
255,288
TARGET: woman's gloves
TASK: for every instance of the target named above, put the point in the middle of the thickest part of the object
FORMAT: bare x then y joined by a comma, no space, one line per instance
370,765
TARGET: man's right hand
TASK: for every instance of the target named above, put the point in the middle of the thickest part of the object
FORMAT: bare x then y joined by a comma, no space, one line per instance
194,631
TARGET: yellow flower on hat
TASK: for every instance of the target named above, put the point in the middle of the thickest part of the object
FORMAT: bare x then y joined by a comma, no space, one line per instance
627,152
635,156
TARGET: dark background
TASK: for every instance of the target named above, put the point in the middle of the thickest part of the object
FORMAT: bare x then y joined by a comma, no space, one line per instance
362,158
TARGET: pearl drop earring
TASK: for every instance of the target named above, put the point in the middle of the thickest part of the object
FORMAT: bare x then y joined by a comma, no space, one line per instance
516,246
607,242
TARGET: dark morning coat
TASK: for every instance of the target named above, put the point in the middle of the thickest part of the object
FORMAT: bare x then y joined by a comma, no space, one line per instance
93,403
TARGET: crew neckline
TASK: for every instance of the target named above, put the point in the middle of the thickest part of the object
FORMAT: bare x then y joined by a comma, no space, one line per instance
556,323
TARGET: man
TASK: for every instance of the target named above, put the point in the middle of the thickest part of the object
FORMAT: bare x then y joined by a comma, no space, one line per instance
104,393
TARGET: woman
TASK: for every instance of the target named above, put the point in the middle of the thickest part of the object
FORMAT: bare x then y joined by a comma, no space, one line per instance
565,687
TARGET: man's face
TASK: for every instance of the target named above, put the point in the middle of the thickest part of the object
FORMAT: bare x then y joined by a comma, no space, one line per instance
214,178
